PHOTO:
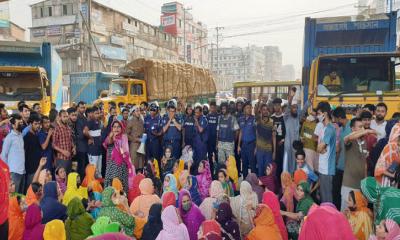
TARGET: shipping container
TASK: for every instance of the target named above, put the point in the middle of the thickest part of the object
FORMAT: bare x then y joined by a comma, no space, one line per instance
347,35
87,86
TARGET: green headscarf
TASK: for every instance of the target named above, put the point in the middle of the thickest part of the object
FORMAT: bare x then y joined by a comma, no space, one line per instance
386,200
79,222
104,225
306,202
109,209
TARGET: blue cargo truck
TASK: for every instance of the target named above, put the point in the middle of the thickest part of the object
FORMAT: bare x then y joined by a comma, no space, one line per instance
359,50
88,86
31,72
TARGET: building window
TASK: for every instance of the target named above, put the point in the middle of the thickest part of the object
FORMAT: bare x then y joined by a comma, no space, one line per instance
180,23
67,9
50,9
129,20
135,23
41,12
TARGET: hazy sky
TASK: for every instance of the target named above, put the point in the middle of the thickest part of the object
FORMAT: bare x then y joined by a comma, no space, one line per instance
279,22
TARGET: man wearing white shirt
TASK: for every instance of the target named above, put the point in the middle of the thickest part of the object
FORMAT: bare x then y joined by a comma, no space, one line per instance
379,123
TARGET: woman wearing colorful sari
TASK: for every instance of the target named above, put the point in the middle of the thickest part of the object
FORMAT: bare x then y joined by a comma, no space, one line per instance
325,223
172,228
54,230
229,227
51,207
33,223
288,189
390,155
119,163
74,181
16,223
386,230
304,204
168,199
265,226
141,205
79,222
271,200
150,171
204,178
216,194
386,200
254,182
134,192
170,185
189,183
359,215
244,207
109,209
232,171
90,179
190,214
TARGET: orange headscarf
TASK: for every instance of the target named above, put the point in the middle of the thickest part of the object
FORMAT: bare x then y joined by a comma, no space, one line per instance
15,220
288,187
299,176
90,179
117,185
361,203
31,197
265,225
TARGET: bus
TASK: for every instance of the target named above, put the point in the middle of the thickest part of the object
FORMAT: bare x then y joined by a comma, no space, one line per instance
269,89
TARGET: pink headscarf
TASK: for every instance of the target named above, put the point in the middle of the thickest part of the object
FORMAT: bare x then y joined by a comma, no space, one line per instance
33,223
204,180
325,223
172,230
271,200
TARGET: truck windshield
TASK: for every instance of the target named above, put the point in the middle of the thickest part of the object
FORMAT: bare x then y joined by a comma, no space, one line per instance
353,76
118,89
16,86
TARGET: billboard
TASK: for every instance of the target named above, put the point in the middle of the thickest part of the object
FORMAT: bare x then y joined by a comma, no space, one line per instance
110,52
168,20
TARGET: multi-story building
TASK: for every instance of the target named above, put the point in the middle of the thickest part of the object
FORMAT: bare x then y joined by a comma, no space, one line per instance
191,35
287,73
236,64
273,63
10,30
115,38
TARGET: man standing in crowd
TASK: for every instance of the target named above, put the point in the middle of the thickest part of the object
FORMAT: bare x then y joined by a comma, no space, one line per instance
356,158
125,117
339,115
25,113
327,151
135,132
63,143
201,136
212,119
92,132
247,139
37,109
370,140
266,137
81,140
227,130
33,149
237,111
279,125
379,123
172,129
13,153
154,131
45,139
72,118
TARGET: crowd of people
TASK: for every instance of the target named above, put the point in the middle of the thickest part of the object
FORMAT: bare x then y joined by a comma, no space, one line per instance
235,171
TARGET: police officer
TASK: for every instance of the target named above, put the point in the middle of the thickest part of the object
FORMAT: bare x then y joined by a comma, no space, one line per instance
153,129
247,139
212,119
172,129
201,136
238,113
189,130
227,130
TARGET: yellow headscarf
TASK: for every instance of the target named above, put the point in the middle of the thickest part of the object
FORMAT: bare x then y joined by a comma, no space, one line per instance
54,230
232,170
72,189
156,168
117,185
178,172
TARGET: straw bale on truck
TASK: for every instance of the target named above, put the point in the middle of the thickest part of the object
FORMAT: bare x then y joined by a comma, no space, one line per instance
165,80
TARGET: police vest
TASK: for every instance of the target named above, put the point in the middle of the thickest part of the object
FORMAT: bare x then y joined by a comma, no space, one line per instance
226,132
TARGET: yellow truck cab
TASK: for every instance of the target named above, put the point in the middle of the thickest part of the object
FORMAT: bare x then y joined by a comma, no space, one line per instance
28,83
353,80
124,90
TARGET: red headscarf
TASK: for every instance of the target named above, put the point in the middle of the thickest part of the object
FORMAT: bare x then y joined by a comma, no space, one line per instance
168,199
4,188
211,227
299,176
135,191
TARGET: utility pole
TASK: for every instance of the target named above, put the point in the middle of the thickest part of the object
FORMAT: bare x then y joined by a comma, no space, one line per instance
218,29
90,33
184,32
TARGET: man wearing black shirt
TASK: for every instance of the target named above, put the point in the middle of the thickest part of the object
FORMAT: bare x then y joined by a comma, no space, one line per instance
92,132
81,140
279,126
33,149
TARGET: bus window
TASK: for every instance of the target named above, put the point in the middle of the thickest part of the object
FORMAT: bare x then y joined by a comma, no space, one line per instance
137,89
282,92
